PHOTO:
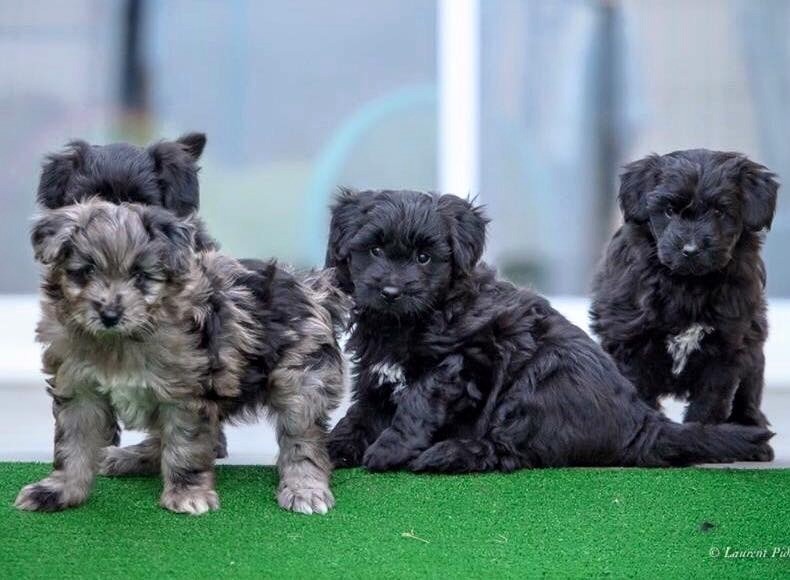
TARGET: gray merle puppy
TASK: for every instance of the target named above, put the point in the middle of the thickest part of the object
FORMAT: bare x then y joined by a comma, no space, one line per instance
164,174
457,371
138,325
679,299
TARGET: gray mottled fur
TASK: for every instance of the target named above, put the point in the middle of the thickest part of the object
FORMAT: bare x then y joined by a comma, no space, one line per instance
153,371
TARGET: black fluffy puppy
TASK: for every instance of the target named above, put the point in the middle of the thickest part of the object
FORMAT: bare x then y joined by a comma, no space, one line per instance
457,371
164,174
679,297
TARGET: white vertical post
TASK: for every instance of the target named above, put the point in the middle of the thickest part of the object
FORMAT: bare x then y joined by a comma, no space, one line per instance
459,96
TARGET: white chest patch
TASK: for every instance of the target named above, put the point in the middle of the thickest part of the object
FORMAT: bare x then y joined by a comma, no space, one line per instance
681,346
390,373
134,402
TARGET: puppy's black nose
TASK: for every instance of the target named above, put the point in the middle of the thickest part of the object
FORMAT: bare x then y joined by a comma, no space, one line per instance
390,293
690,250
110,316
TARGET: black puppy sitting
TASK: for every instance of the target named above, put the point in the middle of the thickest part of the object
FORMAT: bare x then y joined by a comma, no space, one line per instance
163,174
457,371
679,297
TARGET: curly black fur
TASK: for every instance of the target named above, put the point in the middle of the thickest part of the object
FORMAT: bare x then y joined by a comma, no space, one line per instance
679,297
163,174
456,371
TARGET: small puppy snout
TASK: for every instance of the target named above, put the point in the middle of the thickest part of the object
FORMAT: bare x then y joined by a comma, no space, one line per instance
690,250
110,316
390,293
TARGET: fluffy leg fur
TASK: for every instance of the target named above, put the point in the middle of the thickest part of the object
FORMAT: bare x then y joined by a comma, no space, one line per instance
425,407
221,448
145,457
302,400
748,397
711,401
84,425
142,459
188,447
355,432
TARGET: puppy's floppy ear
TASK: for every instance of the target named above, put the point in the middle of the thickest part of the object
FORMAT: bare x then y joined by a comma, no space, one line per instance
347,217
758,188
52,233
467,226
637,180
177,236
57,171
176,165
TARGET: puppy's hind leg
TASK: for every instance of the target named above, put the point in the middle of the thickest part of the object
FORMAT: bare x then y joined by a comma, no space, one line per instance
302,401
748,397
144,458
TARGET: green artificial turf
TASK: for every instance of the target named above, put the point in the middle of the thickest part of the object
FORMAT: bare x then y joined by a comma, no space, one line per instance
559,522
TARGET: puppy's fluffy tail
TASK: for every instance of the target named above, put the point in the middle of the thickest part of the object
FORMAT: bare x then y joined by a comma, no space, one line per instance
325,291
675,444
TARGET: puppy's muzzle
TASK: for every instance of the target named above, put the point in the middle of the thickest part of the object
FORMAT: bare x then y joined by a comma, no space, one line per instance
110,315
690,250
391,293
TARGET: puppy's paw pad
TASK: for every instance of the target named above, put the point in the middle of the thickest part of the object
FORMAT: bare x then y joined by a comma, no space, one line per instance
41,497
306,500
190,501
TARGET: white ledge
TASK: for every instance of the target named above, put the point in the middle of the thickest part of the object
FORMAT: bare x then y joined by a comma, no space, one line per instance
21,355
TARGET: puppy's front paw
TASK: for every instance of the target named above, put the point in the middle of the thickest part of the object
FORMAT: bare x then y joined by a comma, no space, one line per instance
765,453
386,454
305,500
345,453
48,495
193,501
442,457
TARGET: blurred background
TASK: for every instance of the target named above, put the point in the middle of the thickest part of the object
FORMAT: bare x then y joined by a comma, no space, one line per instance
533,105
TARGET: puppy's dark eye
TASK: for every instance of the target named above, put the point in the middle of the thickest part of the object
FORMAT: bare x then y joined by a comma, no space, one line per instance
80,275
669,212
423,258
142,275
376,251
718,212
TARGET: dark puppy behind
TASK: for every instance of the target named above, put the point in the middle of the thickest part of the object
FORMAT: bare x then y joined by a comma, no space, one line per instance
457,371
679,297
163,174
